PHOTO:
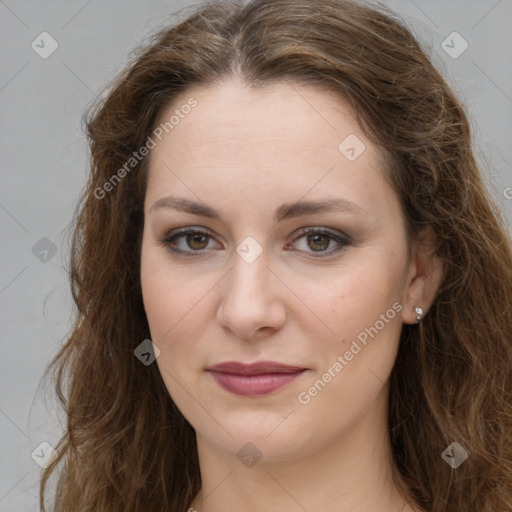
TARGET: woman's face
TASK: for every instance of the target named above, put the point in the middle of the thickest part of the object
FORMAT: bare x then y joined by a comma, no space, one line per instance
250,171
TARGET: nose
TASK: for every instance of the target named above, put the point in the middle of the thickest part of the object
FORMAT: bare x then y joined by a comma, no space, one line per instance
251,305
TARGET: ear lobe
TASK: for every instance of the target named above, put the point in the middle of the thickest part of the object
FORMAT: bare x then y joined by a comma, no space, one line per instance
425,276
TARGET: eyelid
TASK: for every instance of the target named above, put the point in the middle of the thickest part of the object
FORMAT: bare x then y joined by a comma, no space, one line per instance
323,230
168,238
340,238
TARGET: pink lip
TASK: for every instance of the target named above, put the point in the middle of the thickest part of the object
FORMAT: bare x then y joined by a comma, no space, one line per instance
254,379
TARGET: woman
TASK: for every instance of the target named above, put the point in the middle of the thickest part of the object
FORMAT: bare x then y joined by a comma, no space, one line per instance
293,290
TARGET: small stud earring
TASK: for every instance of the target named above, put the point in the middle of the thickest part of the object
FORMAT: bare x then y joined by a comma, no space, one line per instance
419,313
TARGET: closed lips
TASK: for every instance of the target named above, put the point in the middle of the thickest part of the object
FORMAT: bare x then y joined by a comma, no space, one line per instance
260,368
256,379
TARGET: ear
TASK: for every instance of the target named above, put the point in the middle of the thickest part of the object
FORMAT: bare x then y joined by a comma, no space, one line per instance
425,273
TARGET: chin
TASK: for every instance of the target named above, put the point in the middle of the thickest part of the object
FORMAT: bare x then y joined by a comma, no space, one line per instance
269,437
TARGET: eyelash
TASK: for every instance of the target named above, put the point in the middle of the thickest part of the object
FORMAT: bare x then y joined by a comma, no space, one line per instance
167,241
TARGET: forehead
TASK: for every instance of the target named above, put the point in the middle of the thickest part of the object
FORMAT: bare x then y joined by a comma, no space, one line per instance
287,137
270,122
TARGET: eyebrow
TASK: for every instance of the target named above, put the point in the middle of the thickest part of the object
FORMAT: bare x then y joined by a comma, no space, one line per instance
285,211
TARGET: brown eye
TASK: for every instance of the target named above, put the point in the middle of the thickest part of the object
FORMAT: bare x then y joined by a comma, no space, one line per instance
318,242
197,241
187,242
323,242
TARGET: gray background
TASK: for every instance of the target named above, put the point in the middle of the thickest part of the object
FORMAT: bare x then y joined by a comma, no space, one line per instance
44,162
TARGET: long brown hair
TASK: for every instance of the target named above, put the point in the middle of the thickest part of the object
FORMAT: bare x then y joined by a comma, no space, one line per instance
126,446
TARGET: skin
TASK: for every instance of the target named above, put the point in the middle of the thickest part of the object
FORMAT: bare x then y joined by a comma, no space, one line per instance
245,153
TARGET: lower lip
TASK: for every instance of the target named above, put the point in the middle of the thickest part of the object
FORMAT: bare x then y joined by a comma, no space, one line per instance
254,385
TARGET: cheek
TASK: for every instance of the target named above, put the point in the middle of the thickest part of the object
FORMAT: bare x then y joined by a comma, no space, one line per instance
360,305
357,359
170,294
353,297
172,310
177,324
177,305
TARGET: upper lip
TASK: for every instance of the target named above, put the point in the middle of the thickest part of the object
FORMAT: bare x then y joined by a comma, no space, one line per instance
258,368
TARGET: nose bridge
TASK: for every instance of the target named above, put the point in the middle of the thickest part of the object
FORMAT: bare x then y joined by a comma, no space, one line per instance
249,276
